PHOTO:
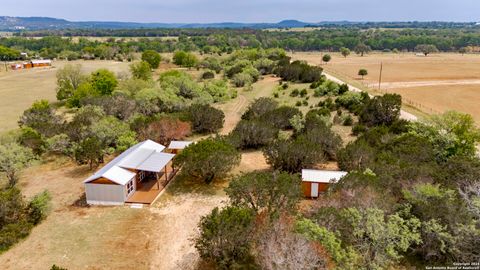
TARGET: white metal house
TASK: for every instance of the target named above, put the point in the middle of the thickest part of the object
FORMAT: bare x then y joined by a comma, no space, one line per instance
137,170
316,181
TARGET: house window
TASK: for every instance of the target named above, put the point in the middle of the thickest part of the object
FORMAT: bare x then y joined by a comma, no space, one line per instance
129,187
141,175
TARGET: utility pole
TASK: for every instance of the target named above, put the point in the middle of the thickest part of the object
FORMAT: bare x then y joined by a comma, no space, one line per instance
380,78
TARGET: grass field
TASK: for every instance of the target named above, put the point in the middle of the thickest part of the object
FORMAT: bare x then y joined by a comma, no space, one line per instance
20,88
433,84
156,237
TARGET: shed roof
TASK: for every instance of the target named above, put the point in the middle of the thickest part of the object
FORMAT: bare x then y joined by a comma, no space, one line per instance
46,61
155,162
132,158
179,144
319,176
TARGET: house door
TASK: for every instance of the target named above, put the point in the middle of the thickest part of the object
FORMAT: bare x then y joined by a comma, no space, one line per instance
314,191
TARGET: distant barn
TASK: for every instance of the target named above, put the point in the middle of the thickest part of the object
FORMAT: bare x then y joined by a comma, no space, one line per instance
316,181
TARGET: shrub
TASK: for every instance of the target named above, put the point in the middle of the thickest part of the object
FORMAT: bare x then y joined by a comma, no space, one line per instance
358,129
253,134
273,192
152,58
381,110
141,70
348,120
165,130
208,159
294,93
293,156
38,207
208,75
298,103
242,79
259,107
225,236
303,93
205,118
280,117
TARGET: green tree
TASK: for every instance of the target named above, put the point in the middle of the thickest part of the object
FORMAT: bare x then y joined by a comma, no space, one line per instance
69,79
205,118
225,237
259,107
104,81
42,118
253,134
451,134
8,54
362,49
208,159
141,70
326,58
265,191
89,151
13,159
381,239
345,51
152,58
381,110
426,49
32,139
293,156
39,207
362,72
344,258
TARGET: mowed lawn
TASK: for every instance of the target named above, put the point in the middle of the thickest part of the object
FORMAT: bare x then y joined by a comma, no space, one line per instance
20,88
433,84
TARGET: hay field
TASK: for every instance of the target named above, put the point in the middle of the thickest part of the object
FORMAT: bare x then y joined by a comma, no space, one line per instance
20,88
432,84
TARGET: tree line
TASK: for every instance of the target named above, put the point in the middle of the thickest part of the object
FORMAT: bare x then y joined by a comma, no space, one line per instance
227,40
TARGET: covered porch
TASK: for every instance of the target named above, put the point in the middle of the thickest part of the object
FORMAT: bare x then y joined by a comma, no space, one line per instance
151,183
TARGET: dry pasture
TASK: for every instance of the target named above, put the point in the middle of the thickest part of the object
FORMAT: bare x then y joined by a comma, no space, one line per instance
434,84
20,88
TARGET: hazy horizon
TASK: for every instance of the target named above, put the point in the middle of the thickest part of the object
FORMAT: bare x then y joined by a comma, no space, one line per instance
247,11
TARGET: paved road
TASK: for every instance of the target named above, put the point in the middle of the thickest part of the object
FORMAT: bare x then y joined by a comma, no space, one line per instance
403,114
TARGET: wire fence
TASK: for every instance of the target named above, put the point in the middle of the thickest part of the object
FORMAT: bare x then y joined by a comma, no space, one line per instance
374,88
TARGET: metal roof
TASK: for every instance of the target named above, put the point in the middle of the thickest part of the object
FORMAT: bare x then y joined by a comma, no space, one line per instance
131,159
179,144
41,61
119,175
319,176
156,162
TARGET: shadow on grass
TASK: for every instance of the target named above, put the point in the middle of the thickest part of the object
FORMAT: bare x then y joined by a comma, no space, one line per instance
184,183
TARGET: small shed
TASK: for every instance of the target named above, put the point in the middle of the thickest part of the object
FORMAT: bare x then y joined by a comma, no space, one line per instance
177,146
41,63
316,181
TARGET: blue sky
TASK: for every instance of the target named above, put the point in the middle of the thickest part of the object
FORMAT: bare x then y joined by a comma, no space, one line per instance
190,11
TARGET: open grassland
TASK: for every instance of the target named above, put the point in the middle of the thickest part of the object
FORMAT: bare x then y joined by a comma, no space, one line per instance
433,84
20,88
156,237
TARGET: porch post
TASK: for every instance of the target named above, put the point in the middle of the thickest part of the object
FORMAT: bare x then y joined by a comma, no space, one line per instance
166,173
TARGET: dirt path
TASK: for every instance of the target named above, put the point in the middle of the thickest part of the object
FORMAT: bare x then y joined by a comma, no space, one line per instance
233,114
393,85
176,225
234,109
